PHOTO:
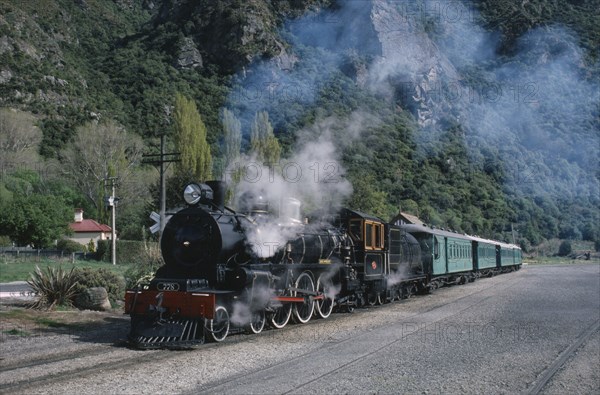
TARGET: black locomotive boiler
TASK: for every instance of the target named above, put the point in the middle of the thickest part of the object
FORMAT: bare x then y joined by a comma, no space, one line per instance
230,271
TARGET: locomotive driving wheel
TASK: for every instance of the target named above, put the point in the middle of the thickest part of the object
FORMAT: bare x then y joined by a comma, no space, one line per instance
324,307
258,322
374,299
218,327
303,311
281,316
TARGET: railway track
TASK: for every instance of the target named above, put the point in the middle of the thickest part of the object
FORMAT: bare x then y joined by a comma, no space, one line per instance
329,354
292,363
26,385
46,371
544,378
49,359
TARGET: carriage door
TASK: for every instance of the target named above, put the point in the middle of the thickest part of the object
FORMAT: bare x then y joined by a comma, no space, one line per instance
439,255
374,250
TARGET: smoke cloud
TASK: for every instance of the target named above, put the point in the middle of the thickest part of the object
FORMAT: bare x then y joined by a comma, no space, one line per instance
535,109
313,174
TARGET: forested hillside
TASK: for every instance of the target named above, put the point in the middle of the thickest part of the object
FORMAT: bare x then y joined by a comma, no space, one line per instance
478,116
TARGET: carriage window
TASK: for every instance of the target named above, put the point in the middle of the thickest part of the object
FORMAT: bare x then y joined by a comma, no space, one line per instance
436,248
373,235
356,229
369,235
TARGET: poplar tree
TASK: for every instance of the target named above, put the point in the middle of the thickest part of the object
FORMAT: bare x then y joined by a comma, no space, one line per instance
263,142
190,138
232,129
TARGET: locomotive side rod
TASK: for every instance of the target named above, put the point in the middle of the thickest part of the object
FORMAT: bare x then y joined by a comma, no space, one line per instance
303,291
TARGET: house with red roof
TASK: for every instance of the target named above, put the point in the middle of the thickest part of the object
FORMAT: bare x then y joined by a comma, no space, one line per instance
85,230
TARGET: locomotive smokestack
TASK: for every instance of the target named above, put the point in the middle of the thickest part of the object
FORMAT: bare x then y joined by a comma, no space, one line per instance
219,188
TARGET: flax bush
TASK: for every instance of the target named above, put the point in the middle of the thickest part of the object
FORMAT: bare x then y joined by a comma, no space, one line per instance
52,287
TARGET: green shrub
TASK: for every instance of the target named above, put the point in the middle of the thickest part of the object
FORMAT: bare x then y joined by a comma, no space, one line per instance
102,250
143,270
52,287
91,246
5,241
69,246
565,248
128,251
89,278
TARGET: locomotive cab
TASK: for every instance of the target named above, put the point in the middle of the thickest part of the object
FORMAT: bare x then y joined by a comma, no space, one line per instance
369,239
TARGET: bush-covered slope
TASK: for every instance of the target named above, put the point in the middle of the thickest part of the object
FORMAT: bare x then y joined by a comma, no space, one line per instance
71,62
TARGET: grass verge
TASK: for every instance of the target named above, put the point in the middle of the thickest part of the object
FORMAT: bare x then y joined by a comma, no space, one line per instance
20,269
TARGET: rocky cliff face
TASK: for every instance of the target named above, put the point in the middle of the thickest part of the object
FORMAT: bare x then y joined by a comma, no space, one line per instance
233,34
410,60
384,45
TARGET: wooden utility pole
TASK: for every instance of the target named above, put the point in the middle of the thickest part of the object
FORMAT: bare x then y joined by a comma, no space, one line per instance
162,158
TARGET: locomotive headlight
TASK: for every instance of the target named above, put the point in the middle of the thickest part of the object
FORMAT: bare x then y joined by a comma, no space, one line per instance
197,193
192,193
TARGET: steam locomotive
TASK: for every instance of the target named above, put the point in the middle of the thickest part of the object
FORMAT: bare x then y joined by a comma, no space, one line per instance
228,271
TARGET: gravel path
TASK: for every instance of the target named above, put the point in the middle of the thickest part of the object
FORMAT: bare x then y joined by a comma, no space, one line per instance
497,335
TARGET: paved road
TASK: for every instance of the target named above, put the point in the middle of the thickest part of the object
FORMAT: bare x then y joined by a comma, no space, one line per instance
13,289
524,332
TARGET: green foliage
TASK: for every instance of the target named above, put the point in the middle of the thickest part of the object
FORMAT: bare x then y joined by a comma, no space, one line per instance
19,268
98,152
263,142
118,61
5,241
175,185
368,198
128,251
102,250
69,246
143,270
190,138
91,246
514,19
36,220
232,141
90,278
52,287
565,248
232,137
132,219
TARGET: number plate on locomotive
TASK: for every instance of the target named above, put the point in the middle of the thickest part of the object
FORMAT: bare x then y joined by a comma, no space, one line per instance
167,286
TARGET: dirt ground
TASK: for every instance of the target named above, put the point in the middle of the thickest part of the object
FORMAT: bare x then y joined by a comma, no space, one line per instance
17,319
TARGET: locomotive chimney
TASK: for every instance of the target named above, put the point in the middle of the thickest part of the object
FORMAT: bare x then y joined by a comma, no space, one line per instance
219,188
